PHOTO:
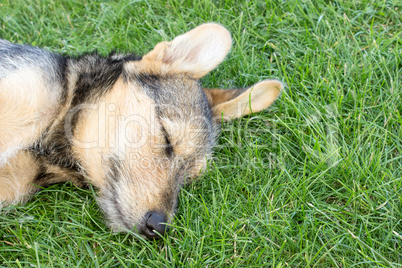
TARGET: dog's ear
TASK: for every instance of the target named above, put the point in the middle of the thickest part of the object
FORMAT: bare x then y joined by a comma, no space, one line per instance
195,53
233,103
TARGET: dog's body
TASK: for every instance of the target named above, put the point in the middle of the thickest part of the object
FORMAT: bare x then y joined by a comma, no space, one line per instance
134,127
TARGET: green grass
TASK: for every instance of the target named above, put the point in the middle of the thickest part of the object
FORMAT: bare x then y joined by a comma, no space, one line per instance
315,181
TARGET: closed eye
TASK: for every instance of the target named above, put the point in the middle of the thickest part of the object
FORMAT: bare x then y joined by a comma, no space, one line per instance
168,144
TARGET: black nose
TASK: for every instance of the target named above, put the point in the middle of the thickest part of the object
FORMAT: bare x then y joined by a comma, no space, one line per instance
154,225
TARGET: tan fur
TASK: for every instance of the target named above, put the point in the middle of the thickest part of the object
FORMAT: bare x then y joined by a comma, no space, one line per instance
16,177
254,99
195,53
26,108
102,132
217,96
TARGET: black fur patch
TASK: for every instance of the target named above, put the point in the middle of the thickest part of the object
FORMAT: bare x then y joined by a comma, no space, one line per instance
96,76
56,150
61,75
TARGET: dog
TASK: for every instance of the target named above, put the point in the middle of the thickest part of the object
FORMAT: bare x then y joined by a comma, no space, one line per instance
135,127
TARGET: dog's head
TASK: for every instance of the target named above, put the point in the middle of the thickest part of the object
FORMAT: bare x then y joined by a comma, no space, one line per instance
158,127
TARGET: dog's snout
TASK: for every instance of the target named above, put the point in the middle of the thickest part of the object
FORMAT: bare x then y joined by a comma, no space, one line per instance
154,225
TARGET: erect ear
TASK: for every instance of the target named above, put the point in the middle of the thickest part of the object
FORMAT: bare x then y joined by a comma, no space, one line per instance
195,53
238,102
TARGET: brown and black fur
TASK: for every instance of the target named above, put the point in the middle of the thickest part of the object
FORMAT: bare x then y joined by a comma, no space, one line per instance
134,127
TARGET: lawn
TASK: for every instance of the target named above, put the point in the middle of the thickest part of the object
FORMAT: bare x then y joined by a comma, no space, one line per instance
314,181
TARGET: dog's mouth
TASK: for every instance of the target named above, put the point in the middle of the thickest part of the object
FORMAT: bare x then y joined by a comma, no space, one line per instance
152,225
